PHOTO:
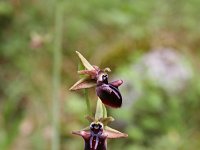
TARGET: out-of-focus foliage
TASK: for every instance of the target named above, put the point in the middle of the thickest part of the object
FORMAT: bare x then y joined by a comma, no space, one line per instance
116,34
160,117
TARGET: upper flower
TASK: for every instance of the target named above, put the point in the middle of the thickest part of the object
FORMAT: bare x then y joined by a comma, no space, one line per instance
108,92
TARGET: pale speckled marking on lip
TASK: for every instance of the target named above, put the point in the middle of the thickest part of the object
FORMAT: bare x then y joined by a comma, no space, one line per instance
100,76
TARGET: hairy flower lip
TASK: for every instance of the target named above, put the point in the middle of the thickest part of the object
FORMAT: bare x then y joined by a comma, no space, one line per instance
98,139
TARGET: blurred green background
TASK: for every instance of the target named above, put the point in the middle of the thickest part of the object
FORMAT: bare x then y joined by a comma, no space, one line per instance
154,46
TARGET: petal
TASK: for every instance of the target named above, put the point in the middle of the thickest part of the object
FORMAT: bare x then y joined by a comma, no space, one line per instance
83,83
112,133
107,70
96,68
116,83
84,133
85,62
90,118
106,120
92,73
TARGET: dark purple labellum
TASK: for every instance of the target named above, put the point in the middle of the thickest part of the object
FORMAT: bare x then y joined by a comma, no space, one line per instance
97,140
96,136
109,92
109,95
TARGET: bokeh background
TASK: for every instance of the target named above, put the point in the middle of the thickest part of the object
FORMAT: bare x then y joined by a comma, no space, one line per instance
154,46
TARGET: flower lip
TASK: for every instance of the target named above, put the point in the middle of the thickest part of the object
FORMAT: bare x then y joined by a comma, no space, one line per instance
96,135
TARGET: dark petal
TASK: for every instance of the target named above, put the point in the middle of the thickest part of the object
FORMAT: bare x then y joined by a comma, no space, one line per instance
116,83
109,95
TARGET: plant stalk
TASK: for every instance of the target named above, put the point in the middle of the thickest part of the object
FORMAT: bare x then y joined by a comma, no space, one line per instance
57,58
87,101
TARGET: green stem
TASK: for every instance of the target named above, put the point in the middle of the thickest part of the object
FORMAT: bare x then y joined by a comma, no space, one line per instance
57,58
87,101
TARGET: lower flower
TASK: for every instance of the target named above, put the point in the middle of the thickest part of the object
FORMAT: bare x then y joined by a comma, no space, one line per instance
96,135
